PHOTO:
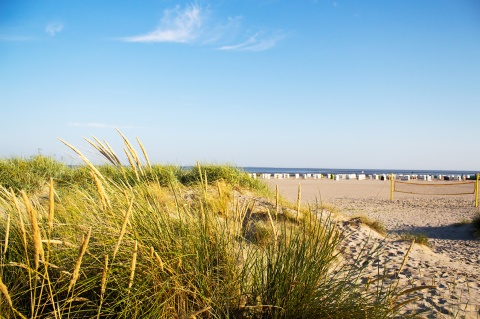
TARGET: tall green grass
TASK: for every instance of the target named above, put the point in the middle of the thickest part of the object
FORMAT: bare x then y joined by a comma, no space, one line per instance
32,175
142,242
29,174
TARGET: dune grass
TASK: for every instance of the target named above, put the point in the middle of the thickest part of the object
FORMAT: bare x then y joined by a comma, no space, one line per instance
419,238
29,174
374,224
145,241
476,224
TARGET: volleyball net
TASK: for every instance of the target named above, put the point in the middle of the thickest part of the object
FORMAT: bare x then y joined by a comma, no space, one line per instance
436,188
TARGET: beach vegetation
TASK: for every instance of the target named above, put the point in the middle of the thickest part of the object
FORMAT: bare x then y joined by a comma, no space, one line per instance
374,224
419,238
29,174
144,241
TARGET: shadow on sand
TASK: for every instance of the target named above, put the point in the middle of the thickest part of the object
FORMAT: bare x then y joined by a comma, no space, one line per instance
452,232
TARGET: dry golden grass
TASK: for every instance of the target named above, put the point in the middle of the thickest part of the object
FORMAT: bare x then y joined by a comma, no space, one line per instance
132,164
7,234
376,225
144,153
133,265
58,242
156,257
104,277
84,159
37,238
101,192
106,151
5,293
123,229
76,270
22,224
51,206
103,286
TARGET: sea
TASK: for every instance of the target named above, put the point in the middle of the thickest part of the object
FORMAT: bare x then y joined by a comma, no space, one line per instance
326,171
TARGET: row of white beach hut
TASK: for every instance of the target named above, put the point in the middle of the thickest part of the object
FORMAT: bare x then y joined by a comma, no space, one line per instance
307,176
436,177
286,176
401,177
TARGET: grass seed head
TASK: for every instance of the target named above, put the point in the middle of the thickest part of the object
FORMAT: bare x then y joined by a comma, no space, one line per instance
123,229
134,265
4,291
103,285
76,270
7,234
51,206
37,238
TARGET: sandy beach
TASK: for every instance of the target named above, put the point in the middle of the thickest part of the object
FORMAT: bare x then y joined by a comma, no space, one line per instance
451,263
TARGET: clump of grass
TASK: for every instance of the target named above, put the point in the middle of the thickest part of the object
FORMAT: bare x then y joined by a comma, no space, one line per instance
227,173
259,233
419,238
376,225
29,174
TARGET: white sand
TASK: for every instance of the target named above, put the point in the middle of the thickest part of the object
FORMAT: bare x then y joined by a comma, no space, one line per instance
453,262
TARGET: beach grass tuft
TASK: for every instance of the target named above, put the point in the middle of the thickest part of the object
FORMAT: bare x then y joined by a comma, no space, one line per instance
374,224
419,238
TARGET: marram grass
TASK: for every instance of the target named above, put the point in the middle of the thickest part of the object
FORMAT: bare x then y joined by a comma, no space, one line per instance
419,238
476,224
157,242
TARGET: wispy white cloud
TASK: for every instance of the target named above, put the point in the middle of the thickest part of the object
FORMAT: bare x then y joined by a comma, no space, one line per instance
176,26
53,28
101,125
196,24
214,32
257,42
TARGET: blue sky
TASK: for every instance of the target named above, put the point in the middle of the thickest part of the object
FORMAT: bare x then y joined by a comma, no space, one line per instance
325,84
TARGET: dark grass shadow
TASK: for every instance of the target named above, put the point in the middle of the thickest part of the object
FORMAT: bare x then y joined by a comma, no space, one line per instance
452,232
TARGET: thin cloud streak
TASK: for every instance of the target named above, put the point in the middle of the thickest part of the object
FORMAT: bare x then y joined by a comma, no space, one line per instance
53,28
253,44
177,25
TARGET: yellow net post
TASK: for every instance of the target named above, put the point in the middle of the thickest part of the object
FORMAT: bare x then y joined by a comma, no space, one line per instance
477,177
391,187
